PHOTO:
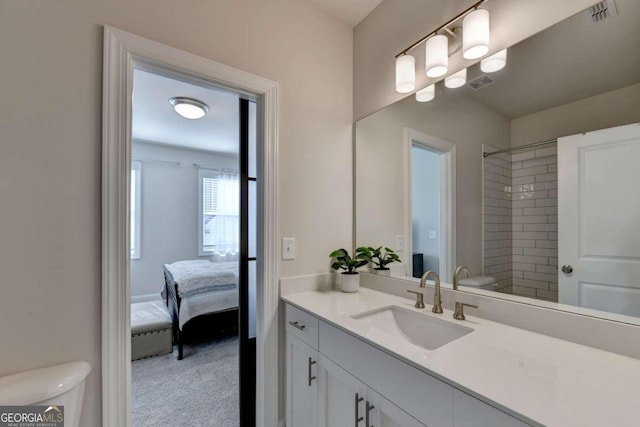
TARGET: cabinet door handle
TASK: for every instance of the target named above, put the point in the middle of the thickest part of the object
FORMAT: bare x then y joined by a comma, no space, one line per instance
297,325
369,409
311,363
358,417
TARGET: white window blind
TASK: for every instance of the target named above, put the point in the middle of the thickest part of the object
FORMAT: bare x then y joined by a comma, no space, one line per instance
220,212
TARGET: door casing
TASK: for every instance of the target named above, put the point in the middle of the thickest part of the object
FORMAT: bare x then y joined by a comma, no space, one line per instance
447,152
123,51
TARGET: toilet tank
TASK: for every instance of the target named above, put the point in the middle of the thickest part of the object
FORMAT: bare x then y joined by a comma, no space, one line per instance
59,385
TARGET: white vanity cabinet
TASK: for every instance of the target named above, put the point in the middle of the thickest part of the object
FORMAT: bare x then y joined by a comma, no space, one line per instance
302,383
334,379
471,412
302,368
346,401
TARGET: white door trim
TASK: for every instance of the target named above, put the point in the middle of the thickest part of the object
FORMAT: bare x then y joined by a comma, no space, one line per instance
121,51
447,205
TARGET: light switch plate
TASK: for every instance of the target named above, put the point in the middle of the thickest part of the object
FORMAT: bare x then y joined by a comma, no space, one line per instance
399,242
288,248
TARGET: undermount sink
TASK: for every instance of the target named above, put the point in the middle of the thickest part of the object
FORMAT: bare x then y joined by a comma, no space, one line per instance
419,329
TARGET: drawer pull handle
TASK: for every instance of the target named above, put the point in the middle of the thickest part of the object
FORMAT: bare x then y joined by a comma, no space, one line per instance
297,325
311,363
369,409
358,417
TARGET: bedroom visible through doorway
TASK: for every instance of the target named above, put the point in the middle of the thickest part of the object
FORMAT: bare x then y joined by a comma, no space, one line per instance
193,257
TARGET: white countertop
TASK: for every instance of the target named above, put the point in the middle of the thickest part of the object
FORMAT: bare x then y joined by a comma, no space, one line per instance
548,380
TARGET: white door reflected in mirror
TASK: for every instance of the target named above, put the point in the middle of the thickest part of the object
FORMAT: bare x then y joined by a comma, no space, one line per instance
599,220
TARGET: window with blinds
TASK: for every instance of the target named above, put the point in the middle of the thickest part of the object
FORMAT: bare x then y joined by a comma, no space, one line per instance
219,229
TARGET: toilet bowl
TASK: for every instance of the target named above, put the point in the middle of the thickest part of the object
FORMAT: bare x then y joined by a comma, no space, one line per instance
480,282
59,385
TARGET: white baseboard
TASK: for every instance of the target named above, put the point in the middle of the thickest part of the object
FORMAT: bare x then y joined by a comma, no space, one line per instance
145,298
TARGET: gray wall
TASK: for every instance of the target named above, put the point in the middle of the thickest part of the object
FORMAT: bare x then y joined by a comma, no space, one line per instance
615,108
169,203
50,156
379,149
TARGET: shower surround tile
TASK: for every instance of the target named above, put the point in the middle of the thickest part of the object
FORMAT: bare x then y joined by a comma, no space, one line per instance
520,195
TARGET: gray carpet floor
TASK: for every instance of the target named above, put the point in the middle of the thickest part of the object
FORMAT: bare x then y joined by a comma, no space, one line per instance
199,391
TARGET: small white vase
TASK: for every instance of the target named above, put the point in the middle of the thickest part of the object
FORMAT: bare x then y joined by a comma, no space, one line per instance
381,271
350,282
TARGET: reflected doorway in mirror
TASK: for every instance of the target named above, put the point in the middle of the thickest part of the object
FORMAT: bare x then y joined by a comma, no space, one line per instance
429,202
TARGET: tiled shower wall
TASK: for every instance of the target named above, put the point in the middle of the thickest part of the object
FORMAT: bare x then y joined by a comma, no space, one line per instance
498,219
534,202
524,185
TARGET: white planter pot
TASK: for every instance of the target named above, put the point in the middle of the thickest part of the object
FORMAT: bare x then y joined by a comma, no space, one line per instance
350,282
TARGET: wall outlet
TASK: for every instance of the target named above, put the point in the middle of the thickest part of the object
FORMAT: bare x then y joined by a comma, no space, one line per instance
399,242
288,248
433,234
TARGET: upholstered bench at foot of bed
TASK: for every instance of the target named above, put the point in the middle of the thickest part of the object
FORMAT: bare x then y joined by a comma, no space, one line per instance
150,330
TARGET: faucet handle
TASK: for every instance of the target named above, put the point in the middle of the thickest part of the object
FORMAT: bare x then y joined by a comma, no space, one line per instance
419,298
459,313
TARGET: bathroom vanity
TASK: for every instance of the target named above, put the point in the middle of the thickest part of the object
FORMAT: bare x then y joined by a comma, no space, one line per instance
373,359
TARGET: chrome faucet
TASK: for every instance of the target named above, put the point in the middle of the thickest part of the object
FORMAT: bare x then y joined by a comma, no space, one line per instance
437,296
459,270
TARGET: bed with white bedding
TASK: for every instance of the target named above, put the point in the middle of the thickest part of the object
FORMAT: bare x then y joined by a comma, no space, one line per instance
197,287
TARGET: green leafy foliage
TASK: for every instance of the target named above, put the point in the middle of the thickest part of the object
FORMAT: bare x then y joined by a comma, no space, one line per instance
379,257
344,261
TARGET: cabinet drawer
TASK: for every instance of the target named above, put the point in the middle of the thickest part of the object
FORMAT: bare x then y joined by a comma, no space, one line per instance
302,325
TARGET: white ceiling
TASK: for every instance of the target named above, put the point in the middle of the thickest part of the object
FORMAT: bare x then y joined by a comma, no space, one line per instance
350,12
572,60
154,119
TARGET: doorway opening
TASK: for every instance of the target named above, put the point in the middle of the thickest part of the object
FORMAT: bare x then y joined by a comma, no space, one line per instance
430,204
125,52
425,210
191,212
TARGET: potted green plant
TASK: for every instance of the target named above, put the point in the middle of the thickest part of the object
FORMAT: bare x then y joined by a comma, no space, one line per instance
349,279
381,257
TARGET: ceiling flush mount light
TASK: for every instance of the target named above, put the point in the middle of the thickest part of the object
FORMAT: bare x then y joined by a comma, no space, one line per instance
189,108
405,73
475,34
456,79
436,56
495,62
426,94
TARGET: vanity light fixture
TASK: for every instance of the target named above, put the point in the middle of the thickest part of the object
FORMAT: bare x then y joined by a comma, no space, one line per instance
436,54
475,34
426,94
456,79
189,108
405,73
495,62
475,41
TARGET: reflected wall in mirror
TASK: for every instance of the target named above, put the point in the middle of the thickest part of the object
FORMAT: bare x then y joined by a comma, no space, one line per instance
519,216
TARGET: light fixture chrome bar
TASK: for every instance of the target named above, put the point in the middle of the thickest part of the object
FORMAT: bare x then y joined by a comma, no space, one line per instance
522,147
445,25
